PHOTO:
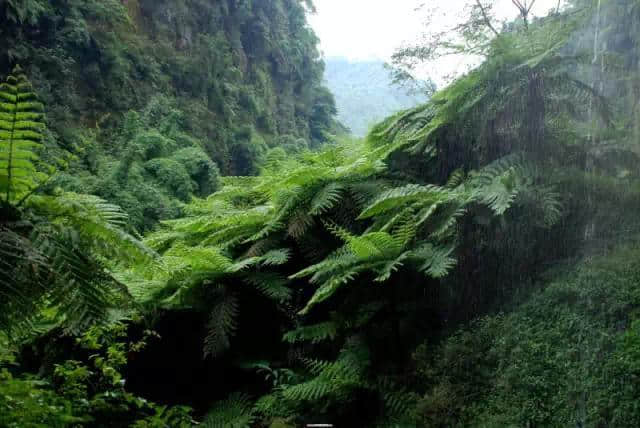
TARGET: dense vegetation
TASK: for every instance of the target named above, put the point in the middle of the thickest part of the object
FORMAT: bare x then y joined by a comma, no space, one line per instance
156,97
366,94
472,262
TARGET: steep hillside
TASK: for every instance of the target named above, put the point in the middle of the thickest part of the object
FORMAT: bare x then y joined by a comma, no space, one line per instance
198,81
568,356
365,93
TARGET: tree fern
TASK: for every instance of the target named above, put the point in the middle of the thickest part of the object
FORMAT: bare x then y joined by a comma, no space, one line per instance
59,251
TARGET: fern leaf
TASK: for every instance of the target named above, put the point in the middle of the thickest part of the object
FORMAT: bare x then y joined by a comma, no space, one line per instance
455,179
234,412
275,257
390,267
326,198
299,222
222,325
330,287
436,261
270,284
399,197
315,333
21,133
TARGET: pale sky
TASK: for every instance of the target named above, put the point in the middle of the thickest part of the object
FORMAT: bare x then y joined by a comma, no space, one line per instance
373,29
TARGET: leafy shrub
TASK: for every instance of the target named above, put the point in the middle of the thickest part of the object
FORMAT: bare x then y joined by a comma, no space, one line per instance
172,175
200,168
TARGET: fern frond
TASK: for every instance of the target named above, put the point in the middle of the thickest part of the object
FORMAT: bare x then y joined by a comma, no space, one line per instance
398,402
196,263
310,391
399,197
275,257
326,198
363,192
270,284
444,219
404,229
374,245
497,184
455,179
222,325
24,274
315,333
299,222
390,267
275,406
332,285
234,412
335,378
21,133
435,261
97,222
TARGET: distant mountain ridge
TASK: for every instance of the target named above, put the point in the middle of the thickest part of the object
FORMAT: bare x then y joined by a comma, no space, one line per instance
365,93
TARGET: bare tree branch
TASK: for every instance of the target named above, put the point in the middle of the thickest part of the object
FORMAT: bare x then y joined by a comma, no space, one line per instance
518,5
524,10
486,18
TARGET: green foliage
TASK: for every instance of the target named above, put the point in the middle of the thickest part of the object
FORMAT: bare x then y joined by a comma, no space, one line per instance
62,260
21,132
57,249
173,175
25,12
236,412
334,380
28,402
237,235
315,333
566,356
222,325
440,213
150,80
86,393
200,168
312,281
160,170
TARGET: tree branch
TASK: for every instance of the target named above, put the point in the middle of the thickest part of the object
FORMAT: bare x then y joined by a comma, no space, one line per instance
524,11
518,5
531,6
486,18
